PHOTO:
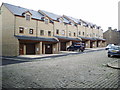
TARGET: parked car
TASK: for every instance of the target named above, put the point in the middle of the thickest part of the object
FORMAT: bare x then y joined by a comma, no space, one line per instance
109,46
114,51
76,47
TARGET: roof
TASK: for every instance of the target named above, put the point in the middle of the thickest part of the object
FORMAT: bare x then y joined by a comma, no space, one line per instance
50,15
36,38
17,10
87,38
74,19
68,38
65,20
100,39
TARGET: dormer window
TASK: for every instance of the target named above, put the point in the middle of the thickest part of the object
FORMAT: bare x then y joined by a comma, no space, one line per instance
60,20
27,17
46,21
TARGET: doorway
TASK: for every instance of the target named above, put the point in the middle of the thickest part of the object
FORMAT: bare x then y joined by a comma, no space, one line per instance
30,49
63,46
48,48
21,49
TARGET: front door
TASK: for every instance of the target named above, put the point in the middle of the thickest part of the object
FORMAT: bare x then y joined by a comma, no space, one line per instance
21,49
48,48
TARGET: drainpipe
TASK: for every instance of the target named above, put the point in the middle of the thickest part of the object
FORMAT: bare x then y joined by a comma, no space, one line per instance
53,28
36,28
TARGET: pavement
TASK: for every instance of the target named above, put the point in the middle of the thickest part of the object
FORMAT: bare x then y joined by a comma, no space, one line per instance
86,70
27,58
61,53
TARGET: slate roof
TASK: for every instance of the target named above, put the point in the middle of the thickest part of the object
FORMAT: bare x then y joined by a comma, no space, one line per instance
65,20
17,10
36,38
51,15
68,38
74,19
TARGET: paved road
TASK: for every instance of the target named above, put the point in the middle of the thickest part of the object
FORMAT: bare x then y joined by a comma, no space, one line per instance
86,70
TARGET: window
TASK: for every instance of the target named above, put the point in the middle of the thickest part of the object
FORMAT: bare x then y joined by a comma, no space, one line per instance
27,17
69,33
21,30
46,21
83,33
63,32
57,31
49,33
87,34
74,34
79,32
31,31
41,32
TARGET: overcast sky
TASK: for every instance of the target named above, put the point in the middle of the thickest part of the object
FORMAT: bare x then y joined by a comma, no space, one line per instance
104,13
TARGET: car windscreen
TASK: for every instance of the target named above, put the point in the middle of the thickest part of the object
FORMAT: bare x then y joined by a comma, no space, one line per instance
115,47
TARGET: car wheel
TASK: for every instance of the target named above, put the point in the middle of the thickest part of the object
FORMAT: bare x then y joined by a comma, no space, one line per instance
109,55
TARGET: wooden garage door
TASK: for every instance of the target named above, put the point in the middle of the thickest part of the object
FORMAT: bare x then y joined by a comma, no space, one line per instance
63,46
30,49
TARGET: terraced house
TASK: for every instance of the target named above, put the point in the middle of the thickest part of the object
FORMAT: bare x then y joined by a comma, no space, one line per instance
26,31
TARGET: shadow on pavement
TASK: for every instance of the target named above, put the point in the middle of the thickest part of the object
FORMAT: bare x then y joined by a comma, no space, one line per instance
9,61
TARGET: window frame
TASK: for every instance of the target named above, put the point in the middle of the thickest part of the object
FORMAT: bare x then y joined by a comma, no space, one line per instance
69,33
30,31
83,33
49,34
42,32
74,34
27,17
63,32
21,28
57,31
46,21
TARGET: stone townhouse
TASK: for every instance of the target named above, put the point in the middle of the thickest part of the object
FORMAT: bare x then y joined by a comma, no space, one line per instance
62,30
112,36
26,32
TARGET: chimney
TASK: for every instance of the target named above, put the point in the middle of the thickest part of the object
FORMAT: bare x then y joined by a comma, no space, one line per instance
109,28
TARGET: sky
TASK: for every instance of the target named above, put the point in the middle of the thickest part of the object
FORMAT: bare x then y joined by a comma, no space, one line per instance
103,13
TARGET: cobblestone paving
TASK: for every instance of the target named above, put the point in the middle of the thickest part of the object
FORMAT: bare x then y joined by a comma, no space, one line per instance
86,70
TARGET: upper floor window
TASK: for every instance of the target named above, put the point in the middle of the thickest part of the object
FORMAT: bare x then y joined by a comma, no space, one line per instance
41,32
83,33
31,31
57,31
49,33
69,33
46,21
79,32
74,34
27,17
63,32
87,34
21,30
